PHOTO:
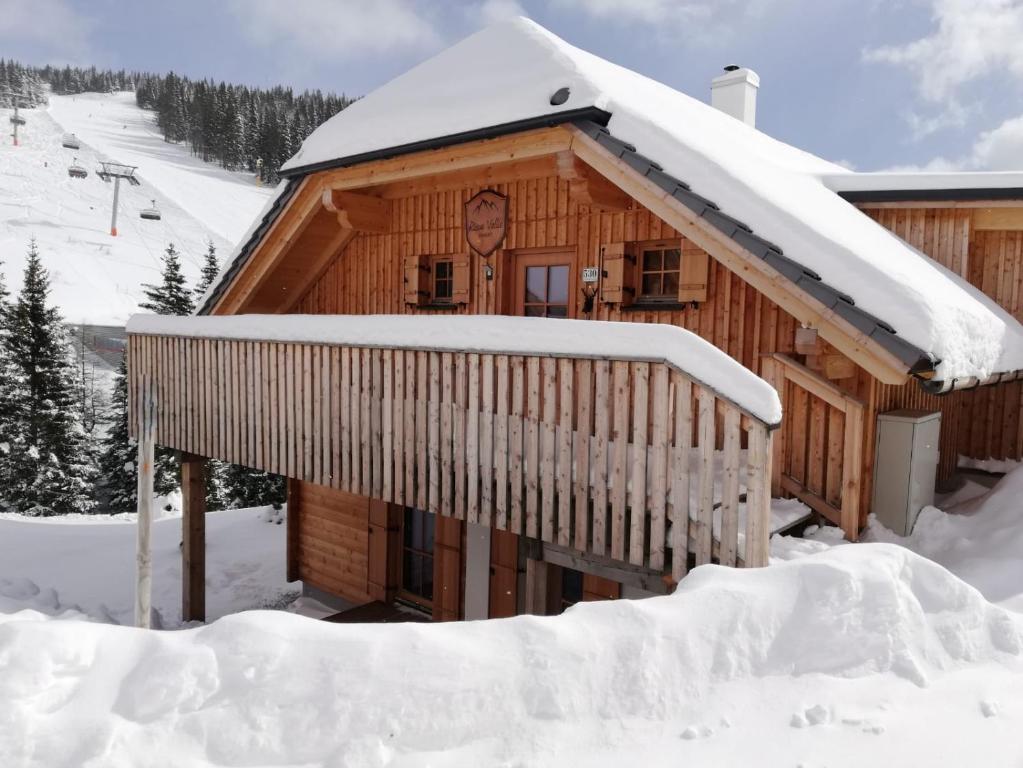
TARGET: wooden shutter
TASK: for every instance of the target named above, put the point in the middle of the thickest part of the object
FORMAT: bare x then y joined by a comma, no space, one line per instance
384,550
447,569
692,280
460,279
417,280
617,284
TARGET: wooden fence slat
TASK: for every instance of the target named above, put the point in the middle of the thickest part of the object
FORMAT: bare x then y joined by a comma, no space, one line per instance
601,432
547,447
638,503
501,444
345,417
515,444
387,426
705,510
581,485
446,447
680,479
366,420
728,545
472,432
422,417
399,427
487,440
433,413
410,428
566,408
659,466
619,454
460,395
376,441
758,497
532,446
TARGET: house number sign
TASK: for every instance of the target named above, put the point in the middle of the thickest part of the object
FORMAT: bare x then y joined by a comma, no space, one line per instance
591,274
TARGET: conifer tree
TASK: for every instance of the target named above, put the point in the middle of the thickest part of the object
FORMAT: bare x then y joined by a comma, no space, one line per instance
171,296
8,382
47,459
208,273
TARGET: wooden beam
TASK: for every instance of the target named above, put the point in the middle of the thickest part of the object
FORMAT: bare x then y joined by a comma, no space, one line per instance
315,268
536,587
998,218
762,277
518,146
587,187
193,538
963,204
812,500
363,213
268,253
813,383
482,176
605,568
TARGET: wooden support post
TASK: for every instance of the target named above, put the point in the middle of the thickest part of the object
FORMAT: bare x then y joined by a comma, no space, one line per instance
193,538
143,551
758,497
536,587
294,522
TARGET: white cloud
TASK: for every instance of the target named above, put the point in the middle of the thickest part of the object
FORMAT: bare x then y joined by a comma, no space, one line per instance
702,20
1000,149
53,24
491,11
973,38
337,29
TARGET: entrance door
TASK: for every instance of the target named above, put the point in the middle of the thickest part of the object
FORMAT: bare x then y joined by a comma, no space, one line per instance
545,284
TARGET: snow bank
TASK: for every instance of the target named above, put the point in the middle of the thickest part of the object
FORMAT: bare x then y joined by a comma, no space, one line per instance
497,334
86,564
861,654
507,73
980,540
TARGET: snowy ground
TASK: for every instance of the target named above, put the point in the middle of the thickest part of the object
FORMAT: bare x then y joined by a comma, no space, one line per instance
97,278
835,655
86,563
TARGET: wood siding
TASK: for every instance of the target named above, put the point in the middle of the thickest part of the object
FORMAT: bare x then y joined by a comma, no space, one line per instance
332,545
984,422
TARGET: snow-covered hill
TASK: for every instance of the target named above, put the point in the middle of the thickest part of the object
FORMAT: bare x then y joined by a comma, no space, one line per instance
96,277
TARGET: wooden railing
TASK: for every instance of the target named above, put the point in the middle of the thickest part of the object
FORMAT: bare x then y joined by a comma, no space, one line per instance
818,457
597,454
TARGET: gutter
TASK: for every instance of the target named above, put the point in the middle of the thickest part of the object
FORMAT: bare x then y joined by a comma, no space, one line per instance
933,387
932,195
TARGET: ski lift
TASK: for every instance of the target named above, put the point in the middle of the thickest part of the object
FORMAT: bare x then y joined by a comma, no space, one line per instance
17,120
70,141
152,214
75,171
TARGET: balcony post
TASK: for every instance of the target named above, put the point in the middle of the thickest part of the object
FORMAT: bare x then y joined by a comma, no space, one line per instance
193,538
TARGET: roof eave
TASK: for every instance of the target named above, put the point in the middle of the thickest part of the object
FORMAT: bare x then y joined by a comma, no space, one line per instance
592,114
931,195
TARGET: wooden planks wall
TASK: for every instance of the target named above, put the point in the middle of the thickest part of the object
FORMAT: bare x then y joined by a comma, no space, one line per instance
333,540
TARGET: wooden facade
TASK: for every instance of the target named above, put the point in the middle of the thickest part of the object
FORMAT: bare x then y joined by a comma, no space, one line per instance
349,424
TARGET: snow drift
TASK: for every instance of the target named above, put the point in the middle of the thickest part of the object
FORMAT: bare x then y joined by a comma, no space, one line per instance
622,677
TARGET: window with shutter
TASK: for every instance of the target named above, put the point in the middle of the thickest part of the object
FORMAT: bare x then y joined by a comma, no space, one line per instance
618,274
460,279
417,280
693,279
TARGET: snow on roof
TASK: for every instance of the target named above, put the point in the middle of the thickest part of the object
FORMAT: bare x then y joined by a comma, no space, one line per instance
698,358
508,72
891,181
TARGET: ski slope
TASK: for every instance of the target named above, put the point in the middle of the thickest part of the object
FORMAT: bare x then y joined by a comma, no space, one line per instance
97,278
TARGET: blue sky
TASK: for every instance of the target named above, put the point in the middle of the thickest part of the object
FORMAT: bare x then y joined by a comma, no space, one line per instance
934,84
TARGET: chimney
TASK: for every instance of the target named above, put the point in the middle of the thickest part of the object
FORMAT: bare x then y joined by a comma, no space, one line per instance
735,93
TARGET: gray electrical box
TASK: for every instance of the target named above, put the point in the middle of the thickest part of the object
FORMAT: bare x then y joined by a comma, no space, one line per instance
905,466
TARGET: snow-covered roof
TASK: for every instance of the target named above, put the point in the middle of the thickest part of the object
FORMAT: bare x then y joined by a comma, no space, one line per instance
699,359
507,73
964,182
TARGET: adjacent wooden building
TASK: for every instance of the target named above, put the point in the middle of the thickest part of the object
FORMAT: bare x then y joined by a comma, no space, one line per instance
473,481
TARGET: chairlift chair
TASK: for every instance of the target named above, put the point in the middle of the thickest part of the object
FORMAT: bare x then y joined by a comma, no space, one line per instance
75,171
152,214
70,141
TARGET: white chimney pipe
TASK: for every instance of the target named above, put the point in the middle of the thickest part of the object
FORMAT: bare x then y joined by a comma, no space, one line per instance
735,93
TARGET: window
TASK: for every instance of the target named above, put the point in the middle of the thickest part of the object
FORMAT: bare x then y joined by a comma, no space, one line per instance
546,291
659,276
443,281
417,556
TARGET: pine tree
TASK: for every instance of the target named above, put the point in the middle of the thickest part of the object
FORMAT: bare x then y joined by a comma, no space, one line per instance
208,273
49,473
8,380
244,487
171,296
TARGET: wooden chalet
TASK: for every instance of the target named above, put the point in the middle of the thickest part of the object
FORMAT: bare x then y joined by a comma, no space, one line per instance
466,470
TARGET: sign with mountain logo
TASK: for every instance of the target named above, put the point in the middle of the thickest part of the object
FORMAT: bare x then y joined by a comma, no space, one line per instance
486,221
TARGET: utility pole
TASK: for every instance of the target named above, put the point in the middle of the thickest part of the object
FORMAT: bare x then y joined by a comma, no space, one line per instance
16,119
116,172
